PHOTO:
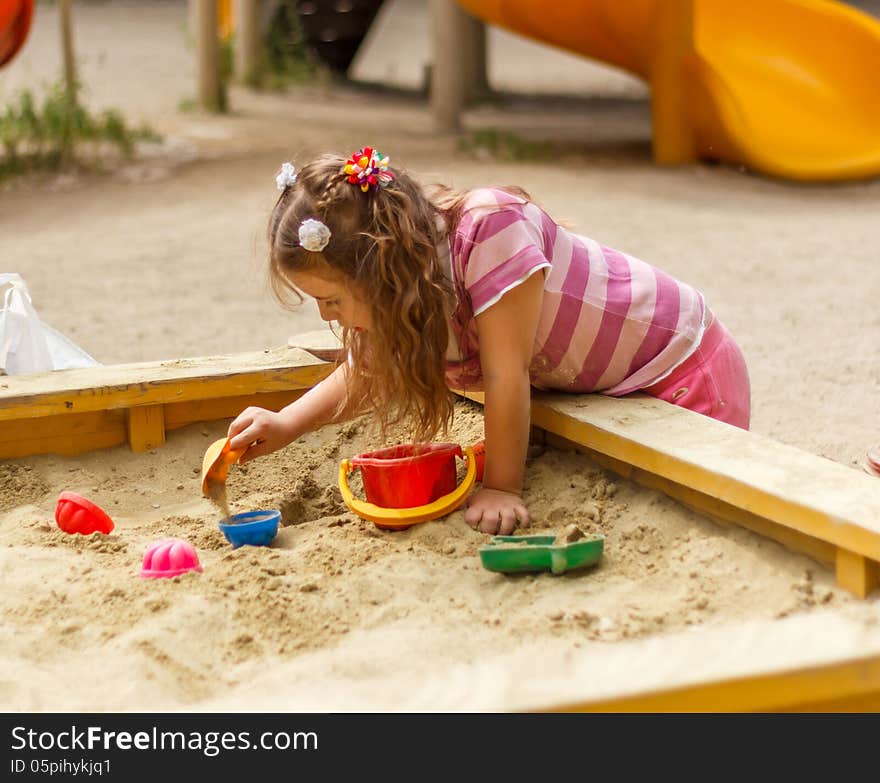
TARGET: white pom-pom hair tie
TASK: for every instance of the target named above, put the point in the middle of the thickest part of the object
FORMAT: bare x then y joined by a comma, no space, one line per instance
286,177
313,235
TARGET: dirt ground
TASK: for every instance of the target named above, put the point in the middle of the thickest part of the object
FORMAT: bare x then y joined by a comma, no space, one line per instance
163,258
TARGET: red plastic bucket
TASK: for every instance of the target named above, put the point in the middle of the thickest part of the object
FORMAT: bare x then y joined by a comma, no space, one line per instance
409,475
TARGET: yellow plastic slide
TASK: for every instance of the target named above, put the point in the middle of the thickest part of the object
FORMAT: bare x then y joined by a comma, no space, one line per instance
786,87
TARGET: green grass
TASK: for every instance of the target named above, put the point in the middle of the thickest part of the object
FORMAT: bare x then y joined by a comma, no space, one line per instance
286,57
60,133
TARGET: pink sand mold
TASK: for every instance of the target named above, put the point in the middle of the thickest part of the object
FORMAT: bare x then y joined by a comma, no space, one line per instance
76,514
169,557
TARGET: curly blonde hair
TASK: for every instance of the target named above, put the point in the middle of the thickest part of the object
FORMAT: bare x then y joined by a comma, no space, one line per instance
383,244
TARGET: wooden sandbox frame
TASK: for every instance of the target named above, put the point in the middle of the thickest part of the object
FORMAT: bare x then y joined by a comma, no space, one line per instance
813,505
72,411
807,503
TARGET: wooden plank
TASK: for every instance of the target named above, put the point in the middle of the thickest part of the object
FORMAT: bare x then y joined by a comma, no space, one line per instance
805,501
798,490
855,573
63,434
180,414
722,512
75,433
849,685
821,660
146,427
150,383
72,411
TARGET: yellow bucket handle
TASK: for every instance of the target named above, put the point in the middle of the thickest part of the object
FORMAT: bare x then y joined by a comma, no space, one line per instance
404,517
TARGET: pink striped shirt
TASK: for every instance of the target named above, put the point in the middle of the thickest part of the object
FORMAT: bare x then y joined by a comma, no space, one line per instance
609,322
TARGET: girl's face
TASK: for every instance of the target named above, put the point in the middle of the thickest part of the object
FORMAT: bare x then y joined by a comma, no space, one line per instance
336,300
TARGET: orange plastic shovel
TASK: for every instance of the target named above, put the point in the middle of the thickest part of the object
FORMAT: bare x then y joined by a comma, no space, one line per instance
216,463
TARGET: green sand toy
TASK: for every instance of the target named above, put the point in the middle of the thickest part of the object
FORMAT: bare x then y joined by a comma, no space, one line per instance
515,554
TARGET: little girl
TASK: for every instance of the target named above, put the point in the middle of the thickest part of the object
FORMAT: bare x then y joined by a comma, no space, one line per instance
478,290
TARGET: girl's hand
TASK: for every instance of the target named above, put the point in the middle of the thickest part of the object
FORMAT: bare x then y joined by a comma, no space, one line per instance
259,431
496,512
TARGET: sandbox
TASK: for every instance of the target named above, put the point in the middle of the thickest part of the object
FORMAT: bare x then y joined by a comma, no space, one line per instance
681,613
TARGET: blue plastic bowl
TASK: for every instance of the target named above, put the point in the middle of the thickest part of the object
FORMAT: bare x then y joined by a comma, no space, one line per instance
251,528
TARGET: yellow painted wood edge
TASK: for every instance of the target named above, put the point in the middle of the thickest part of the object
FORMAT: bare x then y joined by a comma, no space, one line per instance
75,433
181,414
827,538
855,573
145,426
842,532
718,510
151,383
66,435
852,684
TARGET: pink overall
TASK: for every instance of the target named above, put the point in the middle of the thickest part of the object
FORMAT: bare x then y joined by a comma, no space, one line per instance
713,380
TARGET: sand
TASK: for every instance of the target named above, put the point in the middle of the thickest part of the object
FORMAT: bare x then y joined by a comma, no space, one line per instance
163,258
396,601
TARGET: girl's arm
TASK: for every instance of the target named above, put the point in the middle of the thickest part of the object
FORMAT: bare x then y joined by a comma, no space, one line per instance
267,431
506,333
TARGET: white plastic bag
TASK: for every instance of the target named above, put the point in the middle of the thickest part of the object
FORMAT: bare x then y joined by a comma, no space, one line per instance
26,343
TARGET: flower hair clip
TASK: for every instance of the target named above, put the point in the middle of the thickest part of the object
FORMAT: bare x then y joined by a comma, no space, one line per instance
286,177
313,235
368,167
